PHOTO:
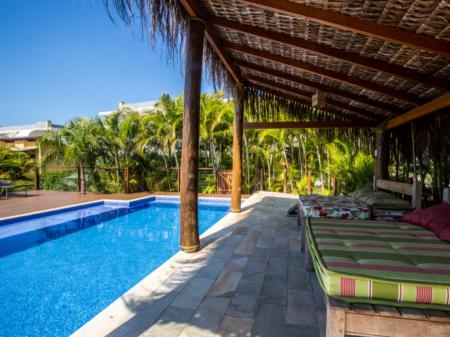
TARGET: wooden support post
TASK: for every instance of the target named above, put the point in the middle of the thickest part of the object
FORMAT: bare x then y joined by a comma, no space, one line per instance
382,157
236,186
309,182
189,236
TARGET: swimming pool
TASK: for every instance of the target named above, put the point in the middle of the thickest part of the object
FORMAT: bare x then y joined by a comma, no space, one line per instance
61,268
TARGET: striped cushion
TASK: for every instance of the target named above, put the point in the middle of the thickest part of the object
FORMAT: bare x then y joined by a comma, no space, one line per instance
381,262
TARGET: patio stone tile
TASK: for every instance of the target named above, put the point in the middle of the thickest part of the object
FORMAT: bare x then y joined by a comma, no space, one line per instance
144,316
207,318
264,242
192,295
319,296
300,308
177,281
224,252
251,284
247,245
170,323
294,245
243,306
237,262
296,259
277,266
226,283
295,331
299,279
269,320
268,233
234,239
274,290
235,327
254,268
260,255
294,234
322,319
240,230
212,269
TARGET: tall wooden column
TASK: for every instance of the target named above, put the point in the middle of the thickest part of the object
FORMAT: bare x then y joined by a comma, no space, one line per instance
382,157
236,185
189,237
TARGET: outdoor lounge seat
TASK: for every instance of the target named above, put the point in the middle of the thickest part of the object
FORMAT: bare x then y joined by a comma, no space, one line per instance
380,262
7,186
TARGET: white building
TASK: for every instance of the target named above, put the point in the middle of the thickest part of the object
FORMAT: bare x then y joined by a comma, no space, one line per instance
23,137
140,107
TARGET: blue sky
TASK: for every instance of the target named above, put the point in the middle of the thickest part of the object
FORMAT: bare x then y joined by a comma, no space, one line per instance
65,58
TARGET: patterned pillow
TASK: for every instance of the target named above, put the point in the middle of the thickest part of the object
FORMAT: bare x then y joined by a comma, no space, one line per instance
383,200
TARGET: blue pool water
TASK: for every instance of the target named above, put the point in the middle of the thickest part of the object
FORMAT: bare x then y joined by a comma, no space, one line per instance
56,278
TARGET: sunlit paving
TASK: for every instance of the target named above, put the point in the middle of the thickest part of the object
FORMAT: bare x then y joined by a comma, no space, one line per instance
240,168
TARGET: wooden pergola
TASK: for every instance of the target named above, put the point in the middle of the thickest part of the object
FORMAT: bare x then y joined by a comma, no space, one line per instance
375,62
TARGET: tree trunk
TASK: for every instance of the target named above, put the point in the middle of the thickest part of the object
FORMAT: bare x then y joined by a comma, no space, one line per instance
126,175
320,166
82,180
247,159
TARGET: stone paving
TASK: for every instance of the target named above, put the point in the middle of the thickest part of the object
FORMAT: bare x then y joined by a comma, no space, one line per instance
248,280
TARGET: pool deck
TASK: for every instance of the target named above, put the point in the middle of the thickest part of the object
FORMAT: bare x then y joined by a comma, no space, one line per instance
247,280
35,201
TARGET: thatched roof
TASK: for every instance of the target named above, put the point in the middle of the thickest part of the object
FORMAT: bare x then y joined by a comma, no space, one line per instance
271,48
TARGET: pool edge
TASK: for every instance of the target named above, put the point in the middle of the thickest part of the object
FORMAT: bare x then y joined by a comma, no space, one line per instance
118,310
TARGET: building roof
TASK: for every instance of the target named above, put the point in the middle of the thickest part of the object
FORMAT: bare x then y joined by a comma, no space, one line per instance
26,131
138,107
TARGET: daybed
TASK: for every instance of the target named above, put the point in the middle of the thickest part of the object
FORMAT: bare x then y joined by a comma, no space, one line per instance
386,266
361,205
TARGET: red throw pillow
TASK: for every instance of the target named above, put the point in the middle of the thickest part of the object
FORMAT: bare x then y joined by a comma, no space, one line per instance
440,224
445,234
425,216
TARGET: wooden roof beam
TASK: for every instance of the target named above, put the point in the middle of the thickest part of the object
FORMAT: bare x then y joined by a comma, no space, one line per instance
323,72
191,8
390,109
420,111
275,90
352,58
307,125
356,25
329,101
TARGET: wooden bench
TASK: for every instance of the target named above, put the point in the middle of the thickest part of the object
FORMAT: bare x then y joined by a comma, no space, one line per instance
344,319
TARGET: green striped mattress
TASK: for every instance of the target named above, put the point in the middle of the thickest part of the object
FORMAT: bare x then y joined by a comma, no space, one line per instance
380,262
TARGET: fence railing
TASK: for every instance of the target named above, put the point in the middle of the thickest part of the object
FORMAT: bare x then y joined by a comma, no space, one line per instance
210,181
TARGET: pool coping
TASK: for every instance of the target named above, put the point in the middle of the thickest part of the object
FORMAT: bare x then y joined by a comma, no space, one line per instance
118,312
110,202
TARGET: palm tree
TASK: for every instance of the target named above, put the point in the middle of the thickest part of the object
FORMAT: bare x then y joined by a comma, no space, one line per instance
216,117
75,145
131,140
165,121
